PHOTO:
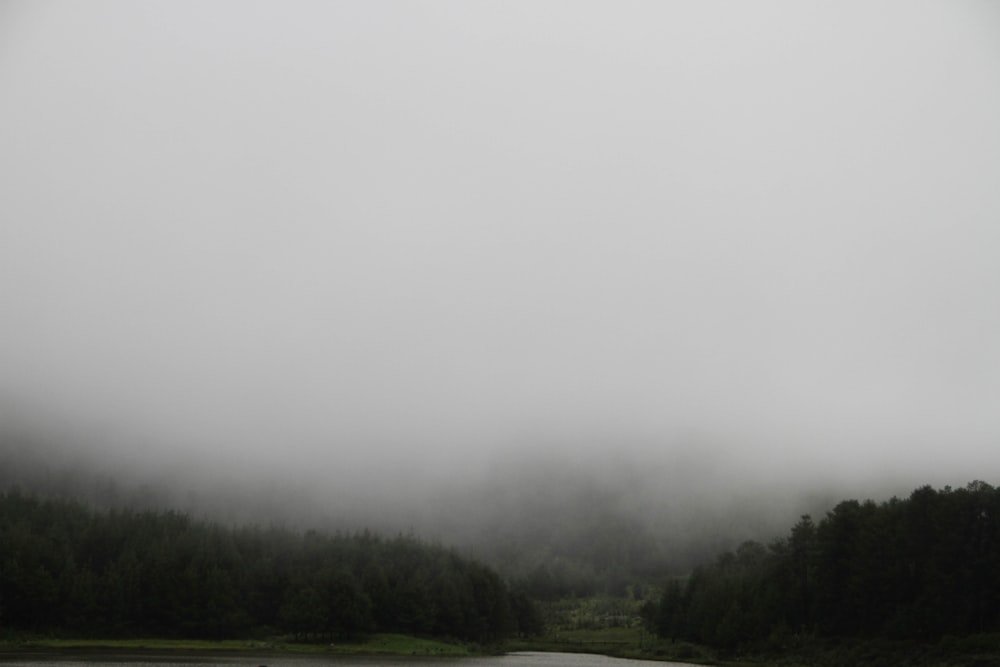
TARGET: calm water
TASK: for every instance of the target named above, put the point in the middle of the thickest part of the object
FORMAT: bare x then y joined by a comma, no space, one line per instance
511,660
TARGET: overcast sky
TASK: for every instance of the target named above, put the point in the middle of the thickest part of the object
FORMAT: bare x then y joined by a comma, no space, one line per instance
414,233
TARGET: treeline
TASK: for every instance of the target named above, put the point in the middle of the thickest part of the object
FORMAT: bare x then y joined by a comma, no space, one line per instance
556,530
65,568
555,540
920,568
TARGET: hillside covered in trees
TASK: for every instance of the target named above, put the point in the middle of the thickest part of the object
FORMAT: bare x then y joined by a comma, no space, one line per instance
920,568
68,569
559,529
90,550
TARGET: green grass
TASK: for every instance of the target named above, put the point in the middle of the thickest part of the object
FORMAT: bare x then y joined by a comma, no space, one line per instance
975,651
400,645
387,644
159,644
621,642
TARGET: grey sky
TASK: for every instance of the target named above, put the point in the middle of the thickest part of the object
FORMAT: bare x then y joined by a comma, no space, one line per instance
383,229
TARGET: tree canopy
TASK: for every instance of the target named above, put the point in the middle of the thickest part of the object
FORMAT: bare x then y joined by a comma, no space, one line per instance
919,568
64,567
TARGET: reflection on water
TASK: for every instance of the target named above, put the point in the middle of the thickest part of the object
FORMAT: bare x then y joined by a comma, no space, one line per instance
173,660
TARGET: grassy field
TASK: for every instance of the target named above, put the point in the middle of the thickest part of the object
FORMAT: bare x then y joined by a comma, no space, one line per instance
622,642
633,642
385,644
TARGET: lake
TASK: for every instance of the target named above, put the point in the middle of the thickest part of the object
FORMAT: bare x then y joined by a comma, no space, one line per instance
207,660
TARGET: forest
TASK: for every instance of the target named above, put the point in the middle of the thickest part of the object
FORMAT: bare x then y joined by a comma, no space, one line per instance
90,555
559,531
67,569
921,568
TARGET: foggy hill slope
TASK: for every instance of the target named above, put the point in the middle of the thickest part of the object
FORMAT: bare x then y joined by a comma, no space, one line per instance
609,524
591,290
563,525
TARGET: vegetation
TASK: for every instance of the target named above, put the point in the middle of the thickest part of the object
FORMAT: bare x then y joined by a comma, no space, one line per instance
379,643
559,531
911,581
68,570
925,568
634,641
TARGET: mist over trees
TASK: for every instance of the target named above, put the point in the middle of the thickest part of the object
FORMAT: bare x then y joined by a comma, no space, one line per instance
918,568
558,527
91,548
71,570
334,271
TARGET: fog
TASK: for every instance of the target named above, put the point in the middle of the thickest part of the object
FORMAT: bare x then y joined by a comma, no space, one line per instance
384,250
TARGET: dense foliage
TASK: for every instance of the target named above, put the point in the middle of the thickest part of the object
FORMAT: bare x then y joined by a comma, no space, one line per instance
66,568
557,536
919,568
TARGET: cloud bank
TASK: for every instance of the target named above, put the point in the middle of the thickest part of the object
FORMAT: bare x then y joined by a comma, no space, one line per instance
383,238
